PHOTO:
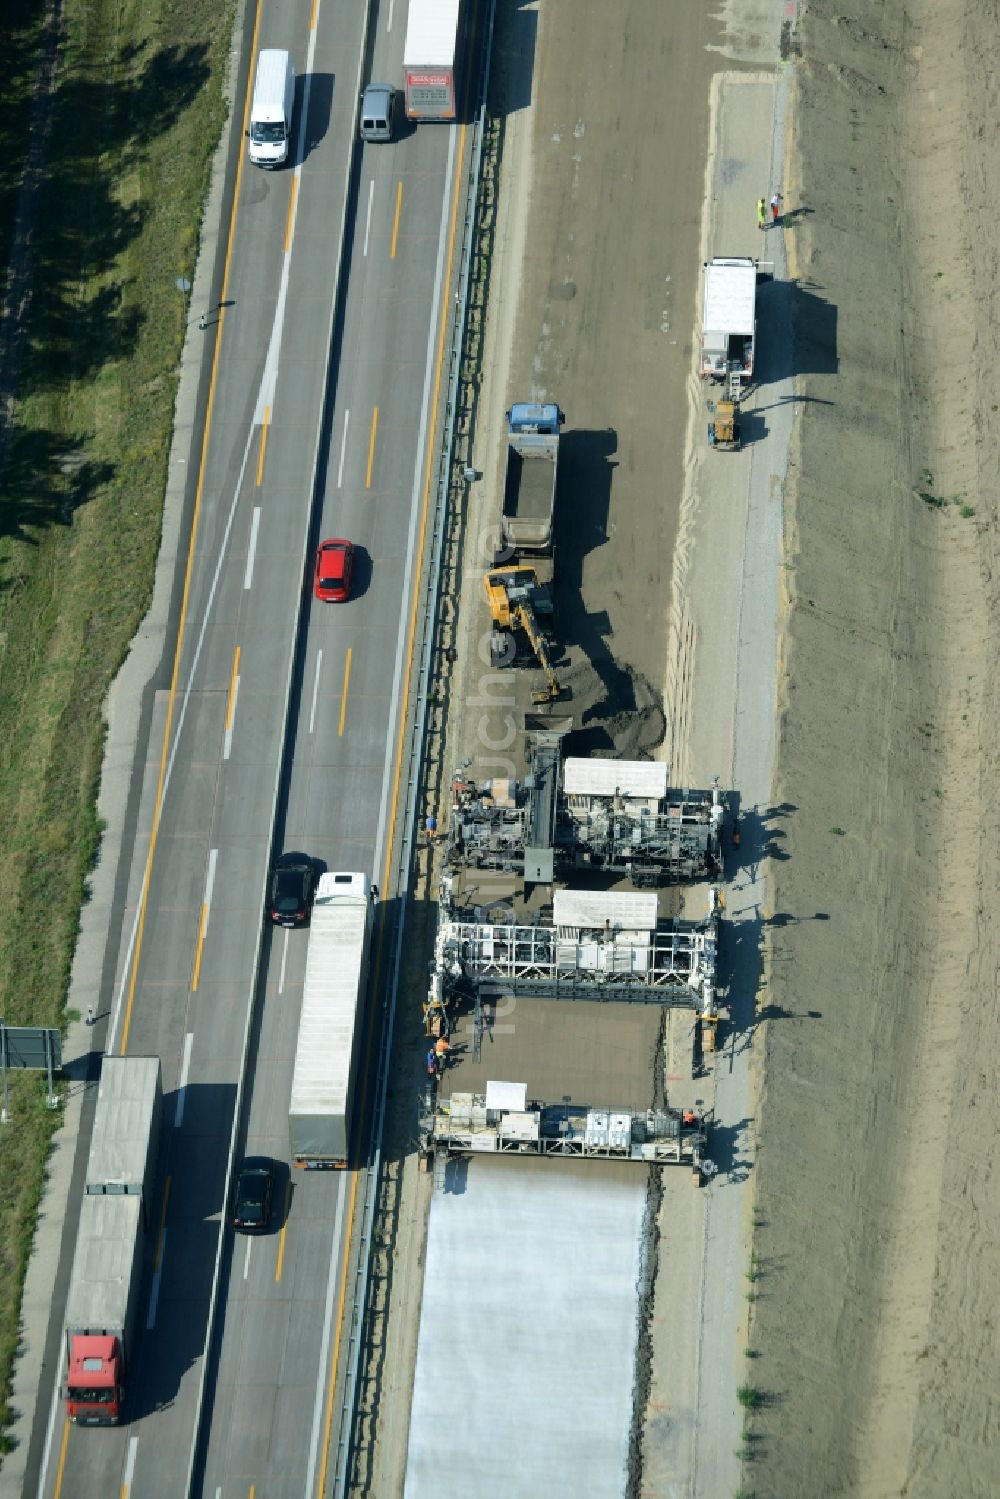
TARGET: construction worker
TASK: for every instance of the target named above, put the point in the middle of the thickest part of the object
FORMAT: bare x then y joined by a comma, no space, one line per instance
736,832
442,1046
761,214
432,1063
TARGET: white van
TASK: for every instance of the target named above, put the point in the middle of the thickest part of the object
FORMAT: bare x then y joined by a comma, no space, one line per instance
271,111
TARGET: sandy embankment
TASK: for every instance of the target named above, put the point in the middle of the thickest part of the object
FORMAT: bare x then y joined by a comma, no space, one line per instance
877,1202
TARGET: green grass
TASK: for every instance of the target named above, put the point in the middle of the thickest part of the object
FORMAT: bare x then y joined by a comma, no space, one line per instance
137,112
750,1397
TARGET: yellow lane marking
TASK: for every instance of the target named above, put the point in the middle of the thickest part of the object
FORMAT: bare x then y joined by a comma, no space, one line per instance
234,681
395,222
63,1448
371,448
334,1356
289,227
189,568
343,695
158,1258
202,928
263,444
400,745
284,1229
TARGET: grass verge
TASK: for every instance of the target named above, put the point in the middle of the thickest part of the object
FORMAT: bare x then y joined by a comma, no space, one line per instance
137,112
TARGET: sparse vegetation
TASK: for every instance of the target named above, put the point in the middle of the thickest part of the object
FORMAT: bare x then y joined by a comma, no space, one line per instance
750,1397
135,116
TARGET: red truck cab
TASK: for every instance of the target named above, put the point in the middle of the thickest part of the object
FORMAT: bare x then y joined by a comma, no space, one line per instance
94,1381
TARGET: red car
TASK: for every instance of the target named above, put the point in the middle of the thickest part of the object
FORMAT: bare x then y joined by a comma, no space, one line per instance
334,568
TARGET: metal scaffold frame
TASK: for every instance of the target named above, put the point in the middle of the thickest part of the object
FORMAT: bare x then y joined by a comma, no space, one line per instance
634,959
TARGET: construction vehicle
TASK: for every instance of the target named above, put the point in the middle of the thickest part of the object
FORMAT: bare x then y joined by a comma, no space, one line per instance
331,1023
107,1263
521,612
724,428
529,488
614,816
504,1121
729,320
605,945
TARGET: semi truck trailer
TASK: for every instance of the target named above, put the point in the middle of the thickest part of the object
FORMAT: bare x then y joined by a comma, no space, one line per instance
115,1214
529,490
430,59
331,1023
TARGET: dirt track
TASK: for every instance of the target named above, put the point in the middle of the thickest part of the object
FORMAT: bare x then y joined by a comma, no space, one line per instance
875,1325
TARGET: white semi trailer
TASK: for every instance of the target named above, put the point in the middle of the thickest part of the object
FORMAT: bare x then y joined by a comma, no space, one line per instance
331,1026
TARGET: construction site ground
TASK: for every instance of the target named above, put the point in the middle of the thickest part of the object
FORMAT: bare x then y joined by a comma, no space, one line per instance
586,311
848,551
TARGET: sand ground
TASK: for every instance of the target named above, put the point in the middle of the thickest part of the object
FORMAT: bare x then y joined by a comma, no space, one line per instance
877,1203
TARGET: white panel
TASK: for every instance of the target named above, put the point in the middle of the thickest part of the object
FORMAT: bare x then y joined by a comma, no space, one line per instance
592,909
637,778
506,1095
730,294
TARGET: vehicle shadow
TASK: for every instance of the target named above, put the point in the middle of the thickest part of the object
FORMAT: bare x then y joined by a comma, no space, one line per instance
321,87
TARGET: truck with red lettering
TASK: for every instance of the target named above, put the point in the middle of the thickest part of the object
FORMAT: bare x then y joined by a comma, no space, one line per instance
430,59
107,1264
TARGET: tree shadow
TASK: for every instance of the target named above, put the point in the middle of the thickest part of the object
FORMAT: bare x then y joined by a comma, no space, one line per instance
46,480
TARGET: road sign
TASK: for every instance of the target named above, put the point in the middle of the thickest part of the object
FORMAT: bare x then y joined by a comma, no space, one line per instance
32,1048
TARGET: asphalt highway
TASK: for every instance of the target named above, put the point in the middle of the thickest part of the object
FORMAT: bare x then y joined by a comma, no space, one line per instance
282,719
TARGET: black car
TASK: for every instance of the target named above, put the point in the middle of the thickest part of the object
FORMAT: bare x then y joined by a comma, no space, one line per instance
290,892
254,1190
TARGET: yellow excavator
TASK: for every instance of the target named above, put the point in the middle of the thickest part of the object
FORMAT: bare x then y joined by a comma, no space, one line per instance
518,603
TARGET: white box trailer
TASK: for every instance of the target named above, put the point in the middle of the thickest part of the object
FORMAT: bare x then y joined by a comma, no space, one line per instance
115,1214
729,318
430,59
331,1023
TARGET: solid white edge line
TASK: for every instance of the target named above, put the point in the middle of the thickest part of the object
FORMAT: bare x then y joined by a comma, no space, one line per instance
284,961
368,215
324,1353
183,1080
251,547
213,856
343,451
315,696
133,1443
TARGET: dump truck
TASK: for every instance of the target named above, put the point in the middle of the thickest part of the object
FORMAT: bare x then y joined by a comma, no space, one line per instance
529,489
115,1216
430,59
331,1023
729,321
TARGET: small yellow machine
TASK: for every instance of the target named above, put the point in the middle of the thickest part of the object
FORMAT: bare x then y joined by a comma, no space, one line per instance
724,428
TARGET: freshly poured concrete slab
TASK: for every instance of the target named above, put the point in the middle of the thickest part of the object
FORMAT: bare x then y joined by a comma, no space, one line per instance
525,1360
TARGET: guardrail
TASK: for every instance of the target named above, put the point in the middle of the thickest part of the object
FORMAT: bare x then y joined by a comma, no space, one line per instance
449,486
